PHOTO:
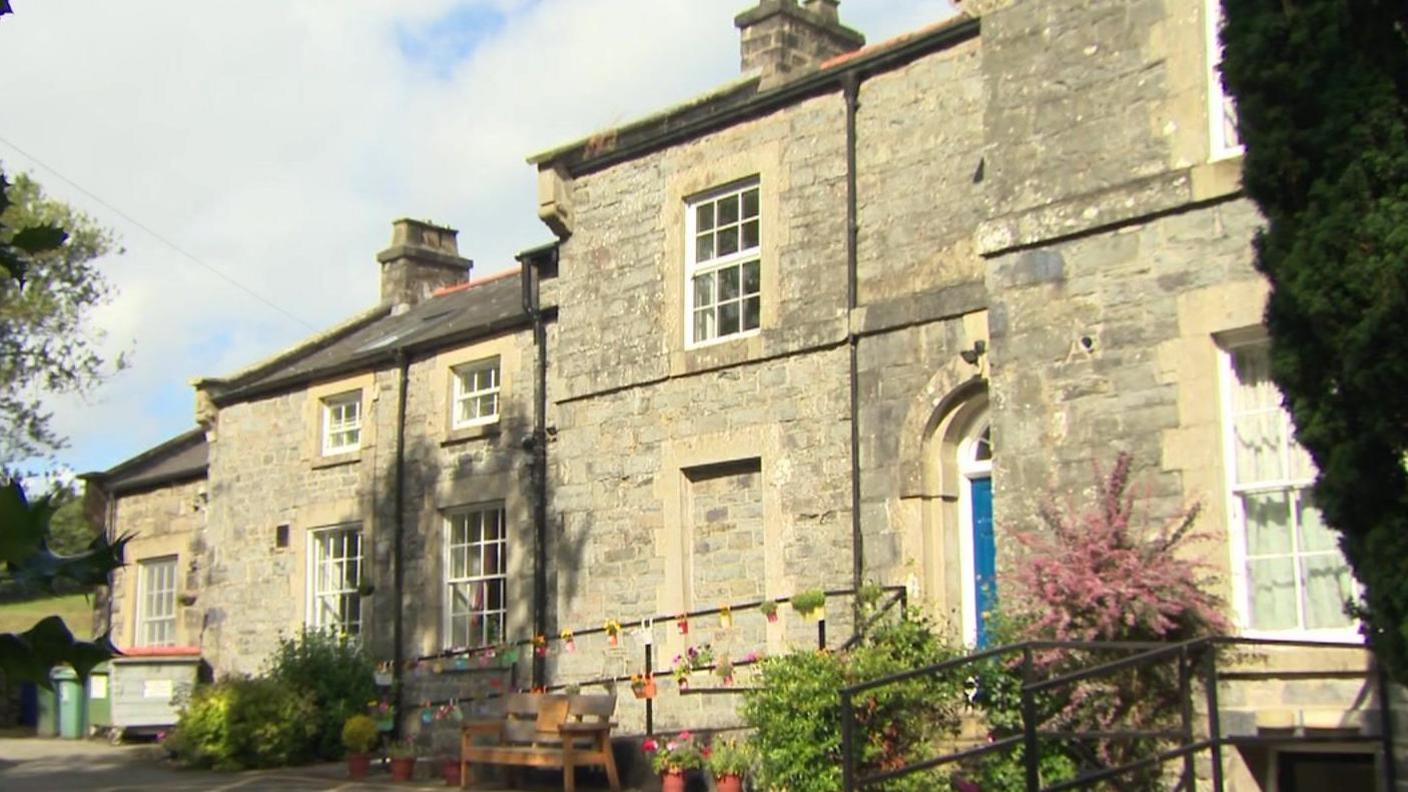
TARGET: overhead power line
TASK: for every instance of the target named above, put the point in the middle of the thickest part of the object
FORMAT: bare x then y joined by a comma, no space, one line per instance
157,236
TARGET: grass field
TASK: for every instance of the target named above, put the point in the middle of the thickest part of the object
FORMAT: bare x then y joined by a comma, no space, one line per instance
75,609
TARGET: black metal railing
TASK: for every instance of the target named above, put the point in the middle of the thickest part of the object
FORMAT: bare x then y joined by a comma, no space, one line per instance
1196,663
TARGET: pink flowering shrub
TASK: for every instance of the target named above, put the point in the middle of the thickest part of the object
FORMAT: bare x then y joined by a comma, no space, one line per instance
676,754
1102,573
1096,575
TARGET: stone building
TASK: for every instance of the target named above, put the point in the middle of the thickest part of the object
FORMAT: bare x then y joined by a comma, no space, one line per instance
850,317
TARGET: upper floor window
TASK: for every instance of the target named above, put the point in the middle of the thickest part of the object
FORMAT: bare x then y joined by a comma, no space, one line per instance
1222,110
1292,575
335,576
156,602
476,576
342,423
475,397
723,283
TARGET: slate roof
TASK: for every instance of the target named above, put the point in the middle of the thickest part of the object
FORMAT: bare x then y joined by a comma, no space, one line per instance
181,458
458,313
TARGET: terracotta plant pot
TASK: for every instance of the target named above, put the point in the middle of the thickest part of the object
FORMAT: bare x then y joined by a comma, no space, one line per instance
728,783
672,782
646,691
403,768
358,765
450,768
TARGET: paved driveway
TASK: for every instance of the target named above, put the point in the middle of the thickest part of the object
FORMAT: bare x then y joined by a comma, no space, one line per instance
36,765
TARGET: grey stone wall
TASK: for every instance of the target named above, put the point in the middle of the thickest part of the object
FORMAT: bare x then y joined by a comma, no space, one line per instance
1075,328
168,520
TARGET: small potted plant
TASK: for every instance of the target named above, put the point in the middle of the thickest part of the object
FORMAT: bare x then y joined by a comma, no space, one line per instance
769,609
450,770
729,761
673,758
811,604
359,736
643,686
403,760
383,714
613,631
723,669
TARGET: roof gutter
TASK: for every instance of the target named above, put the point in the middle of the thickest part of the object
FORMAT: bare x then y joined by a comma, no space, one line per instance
824,81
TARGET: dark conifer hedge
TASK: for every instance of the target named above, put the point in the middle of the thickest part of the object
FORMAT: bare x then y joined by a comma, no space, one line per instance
1322,93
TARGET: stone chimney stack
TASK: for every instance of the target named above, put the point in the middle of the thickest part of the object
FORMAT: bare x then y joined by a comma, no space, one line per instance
782,40
422,258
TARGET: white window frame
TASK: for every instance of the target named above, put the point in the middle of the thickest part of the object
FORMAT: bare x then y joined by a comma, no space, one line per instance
969,468
736,260
462,393
476,631
334,424
1236,517
1221,144
156,601
320,541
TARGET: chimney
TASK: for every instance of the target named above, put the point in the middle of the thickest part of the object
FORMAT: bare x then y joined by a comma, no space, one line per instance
782,40
422,258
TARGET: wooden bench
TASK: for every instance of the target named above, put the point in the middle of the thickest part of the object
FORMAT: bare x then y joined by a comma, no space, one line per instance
543,730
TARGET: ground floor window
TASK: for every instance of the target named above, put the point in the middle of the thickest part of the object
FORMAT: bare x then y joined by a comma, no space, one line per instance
476,576
156,602
335,558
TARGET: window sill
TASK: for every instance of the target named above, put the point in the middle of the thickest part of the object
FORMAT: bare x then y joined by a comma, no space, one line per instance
337,460
474,432
1217,177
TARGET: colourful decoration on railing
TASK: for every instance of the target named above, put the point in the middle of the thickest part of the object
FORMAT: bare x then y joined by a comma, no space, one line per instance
613,631
726,617
682,624
569,643
540,645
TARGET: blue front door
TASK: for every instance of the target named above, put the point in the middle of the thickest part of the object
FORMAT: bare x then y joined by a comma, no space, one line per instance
984,555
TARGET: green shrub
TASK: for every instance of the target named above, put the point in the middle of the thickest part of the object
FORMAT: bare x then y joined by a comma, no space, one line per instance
241,722
796,710
359,734
335,672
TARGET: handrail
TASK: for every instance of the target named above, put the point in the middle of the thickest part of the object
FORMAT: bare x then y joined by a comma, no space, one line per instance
1187,653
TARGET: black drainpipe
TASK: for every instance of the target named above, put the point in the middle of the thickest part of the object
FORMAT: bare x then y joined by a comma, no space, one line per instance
403,365
850,85
538,475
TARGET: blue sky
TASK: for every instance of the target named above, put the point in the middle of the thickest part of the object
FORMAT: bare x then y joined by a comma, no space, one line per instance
274,141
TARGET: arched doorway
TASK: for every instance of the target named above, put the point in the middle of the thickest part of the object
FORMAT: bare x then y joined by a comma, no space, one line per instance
978,545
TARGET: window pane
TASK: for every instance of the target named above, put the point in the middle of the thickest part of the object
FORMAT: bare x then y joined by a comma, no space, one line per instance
751,309
704,289
728,284
704,217
704,247
750,202
728,210
1273,594
750,234
728,240
751,278
1268,523
1327,586
1257,439
704,324
728,318
1315,535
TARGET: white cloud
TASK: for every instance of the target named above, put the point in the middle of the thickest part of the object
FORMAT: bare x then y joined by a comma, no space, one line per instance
277,139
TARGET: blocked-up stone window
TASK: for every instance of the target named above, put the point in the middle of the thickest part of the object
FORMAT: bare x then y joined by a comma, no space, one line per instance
335,575
723,264
156,602
342,423
474,400
476,576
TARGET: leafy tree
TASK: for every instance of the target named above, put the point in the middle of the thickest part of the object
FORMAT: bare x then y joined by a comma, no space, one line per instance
70,532
32,567
1322,95
47,345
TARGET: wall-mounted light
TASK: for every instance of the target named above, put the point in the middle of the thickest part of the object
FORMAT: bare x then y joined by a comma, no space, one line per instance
970,356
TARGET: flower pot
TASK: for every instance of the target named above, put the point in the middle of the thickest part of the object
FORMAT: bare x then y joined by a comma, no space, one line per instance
358,764
728,783
672,782
645,691
772,618
403,768
450,769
